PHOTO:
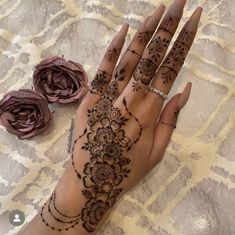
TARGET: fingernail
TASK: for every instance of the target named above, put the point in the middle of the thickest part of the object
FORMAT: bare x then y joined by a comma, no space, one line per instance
193,22
155,17
184,95
176,9
121,34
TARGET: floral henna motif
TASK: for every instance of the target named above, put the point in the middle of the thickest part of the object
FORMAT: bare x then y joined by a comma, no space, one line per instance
100,82
157,47
107,143
144,73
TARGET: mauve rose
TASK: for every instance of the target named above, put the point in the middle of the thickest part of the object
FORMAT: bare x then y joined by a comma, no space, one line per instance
60,80
25,113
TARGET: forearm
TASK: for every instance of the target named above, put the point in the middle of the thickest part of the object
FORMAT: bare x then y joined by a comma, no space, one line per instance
66,211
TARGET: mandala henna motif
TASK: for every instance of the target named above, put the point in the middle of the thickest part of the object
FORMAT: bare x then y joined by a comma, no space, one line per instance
144,73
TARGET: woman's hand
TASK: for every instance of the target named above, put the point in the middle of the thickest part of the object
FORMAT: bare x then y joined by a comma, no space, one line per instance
122,132
120,135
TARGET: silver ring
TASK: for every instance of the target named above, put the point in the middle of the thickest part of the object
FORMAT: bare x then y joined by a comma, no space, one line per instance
158,92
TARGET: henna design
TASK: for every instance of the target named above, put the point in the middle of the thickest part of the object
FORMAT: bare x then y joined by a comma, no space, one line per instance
120,75
107,143
174,61
51,205
145,72
112,54
144,36
69,142
100,82
134,52
157,47
168,24
141,127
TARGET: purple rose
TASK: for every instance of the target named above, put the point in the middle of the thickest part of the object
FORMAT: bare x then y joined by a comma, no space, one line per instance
60,80
25,113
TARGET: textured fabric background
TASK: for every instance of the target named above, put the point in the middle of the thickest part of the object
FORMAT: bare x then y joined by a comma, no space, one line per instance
193,190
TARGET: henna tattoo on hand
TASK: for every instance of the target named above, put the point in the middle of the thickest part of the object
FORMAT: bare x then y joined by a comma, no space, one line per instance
107,143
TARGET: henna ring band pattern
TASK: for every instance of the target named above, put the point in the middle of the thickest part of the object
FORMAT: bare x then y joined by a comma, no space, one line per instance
158,92
172,125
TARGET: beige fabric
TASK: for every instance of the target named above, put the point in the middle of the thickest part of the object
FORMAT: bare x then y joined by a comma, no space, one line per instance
193,190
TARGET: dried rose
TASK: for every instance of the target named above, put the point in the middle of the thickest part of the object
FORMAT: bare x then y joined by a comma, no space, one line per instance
25,113
60,80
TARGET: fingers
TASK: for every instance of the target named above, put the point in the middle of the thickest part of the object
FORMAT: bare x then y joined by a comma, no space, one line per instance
172,64
155,51
166,124
132,55
105,70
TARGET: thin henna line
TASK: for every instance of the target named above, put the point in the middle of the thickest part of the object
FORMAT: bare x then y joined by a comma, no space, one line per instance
141,127
171,69
52,227
54,195
84,132
55,217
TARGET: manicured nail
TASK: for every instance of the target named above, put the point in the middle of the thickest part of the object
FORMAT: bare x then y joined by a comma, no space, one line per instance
155,17
176,9
184,95
120,37
192,23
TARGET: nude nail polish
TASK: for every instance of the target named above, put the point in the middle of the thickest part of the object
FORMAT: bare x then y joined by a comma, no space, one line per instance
184,95
176,9
121,34
154,19
192,23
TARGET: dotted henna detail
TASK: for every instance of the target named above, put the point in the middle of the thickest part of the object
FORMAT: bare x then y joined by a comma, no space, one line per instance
144,36
51,205
168,24
174,61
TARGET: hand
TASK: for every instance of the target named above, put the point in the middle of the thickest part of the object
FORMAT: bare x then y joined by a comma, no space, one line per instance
122,132
123,138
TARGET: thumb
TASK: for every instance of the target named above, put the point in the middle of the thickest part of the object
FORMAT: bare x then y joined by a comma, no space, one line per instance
167,123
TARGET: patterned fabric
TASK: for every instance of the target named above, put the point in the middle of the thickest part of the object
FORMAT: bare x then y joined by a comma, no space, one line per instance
192,190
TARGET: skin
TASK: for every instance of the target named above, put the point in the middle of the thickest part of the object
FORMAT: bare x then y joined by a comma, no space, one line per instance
144,137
